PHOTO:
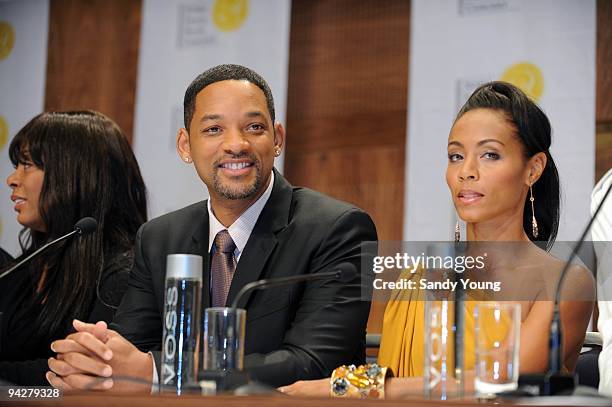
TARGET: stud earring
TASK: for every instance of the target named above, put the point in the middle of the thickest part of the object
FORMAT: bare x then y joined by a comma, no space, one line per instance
457,232
277,151
187,159
534,223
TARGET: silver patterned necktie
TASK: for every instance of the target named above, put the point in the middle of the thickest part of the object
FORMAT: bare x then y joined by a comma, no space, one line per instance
222,267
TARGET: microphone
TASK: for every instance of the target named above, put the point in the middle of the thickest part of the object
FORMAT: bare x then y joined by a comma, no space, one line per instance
344,273
83,227
237,380
459,338
555,358
555,381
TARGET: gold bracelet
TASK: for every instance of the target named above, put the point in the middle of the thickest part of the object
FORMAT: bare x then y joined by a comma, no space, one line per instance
365,381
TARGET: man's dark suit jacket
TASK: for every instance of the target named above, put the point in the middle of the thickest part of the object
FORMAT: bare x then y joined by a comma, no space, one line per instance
292,333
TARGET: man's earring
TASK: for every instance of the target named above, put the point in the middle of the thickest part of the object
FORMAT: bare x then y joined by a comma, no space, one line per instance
534,223
277,151
187,159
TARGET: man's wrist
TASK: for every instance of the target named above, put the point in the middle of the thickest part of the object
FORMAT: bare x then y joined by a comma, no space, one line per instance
138,367
146,372
155,379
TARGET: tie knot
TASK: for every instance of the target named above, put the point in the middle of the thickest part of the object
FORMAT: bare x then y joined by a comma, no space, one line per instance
224,242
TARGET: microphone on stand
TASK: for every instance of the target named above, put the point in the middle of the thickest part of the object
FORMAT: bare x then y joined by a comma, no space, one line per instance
236,380
344,273
555,381
83,227
459,337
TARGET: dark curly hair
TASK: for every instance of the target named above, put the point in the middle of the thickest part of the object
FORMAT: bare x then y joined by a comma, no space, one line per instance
224,73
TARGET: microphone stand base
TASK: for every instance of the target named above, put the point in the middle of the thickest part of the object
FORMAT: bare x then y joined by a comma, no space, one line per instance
549,384
221,381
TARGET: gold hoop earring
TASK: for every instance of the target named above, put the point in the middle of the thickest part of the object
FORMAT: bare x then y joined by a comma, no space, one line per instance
534,223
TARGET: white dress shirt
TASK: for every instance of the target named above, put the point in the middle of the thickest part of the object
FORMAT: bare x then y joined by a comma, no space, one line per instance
241,229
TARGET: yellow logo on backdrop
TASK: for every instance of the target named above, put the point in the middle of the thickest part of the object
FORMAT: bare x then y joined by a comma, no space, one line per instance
526,76
4,130
229,15
7,39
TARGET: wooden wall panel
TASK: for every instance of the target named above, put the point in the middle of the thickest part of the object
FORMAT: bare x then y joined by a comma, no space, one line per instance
359,175
603,147
347,106
604,62
92,58
603,92
347,103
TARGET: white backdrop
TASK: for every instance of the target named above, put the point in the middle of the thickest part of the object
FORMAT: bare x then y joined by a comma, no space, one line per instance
179,40
23,60
546,47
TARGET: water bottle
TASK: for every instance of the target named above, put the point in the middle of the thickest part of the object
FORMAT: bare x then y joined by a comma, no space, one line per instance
182,319
444,361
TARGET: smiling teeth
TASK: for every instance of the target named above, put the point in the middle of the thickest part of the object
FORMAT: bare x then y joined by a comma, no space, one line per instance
235,166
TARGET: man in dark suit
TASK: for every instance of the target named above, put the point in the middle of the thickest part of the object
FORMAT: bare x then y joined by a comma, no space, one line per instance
273,229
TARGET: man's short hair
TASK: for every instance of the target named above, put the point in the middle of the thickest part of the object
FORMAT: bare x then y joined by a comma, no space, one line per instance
223,73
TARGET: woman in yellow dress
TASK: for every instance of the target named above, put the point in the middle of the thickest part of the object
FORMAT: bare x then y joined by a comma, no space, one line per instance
505,187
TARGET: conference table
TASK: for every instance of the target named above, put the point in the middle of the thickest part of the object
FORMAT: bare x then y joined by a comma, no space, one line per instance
99,399
108,400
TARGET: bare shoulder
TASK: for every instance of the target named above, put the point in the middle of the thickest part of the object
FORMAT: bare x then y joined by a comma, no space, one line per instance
578,283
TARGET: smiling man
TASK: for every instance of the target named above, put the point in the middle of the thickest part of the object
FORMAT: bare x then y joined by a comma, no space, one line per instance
273,230
233,143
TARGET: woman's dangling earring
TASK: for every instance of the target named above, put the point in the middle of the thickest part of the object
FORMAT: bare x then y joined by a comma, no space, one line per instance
457,232
534,223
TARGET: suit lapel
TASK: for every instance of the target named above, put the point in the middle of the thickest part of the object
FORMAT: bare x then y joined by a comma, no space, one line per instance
273,218
199,245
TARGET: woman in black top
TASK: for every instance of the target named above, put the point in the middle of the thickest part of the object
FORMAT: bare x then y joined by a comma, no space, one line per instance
68,165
